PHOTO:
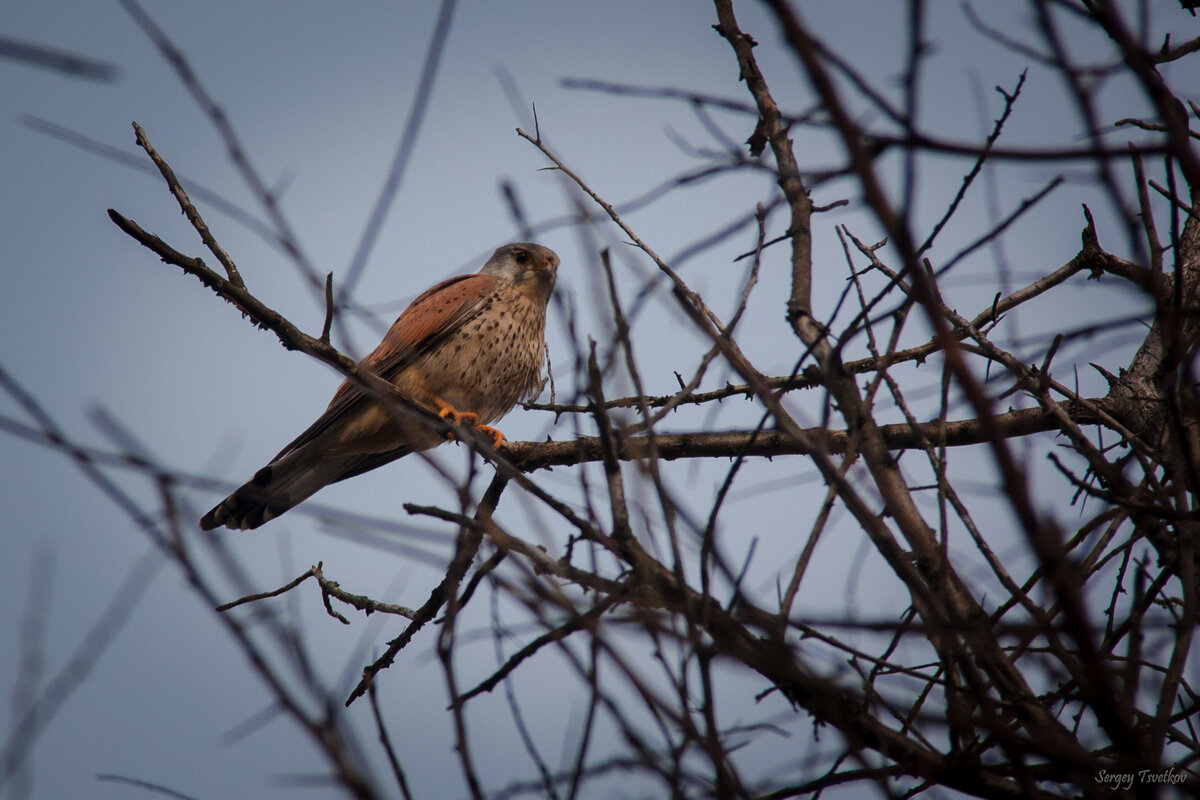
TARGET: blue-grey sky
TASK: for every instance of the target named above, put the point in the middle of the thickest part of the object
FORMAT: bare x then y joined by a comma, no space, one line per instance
319,94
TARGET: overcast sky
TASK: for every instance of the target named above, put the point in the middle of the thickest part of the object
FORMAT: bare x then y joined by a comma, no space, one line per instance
319,94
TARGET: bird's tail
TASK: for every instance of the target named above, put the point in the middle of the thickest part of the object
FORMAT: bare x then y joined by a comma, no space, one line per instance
289,479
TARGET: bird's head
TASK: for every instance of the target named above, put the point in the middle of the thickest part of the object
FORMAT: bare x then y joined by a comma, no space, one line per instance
529,266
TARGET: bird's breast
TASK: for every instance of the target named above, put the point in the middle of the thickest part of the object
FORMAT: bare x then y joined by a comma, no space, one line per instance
494,359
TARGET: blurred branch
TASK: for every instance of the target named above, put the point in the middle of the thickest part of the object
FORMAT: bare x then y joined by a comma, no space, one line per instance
404,151
147,786
284,233
71,64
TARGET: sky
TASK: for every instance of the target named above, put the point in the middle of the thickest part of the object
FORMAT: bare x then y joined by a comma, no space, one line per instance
93,325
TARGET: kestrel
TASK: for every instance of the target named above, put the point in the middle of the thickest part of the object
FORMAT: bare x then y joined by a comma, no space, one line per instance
469,349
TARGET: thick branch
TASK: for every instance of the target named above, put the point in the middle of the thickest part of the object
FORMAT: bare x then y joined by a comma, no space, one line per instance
530,456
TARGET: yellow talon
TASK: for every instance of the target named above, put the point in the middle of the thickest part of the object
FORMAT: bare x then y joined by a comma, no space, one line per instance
497,436
456,416
468,418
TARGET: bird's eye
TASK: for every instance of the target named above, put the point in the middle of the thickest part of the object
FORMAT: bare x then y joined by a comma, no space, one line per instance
522,257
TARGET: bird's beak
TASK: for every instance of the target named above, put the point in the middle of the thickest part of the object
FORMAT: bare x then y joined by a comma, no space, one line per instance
545,268
544,273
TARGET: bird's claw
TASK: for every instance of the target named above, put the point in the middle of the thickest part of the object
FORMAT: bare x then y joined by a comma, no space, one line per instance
456,416
468,418
497,436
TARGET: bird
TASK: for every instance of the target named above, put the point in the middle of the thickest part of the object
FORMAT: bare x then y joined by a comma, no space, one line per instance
468,349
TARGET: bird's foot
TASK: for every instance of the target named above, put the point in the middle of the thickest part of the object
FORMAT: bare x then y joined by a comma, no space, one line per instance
457,417
488,430
468,418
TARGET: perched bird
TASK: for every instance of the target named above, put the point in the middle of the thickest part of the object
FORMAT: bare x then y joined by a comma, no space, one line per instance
469,349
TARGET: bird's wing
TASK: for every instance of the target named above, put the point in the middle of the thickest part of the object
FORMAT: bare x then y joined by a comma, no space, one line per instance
365,462
426,322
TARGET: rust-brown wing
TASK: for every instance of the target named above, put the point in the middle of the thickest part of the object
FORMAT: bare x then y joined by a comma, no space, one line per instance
428,320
